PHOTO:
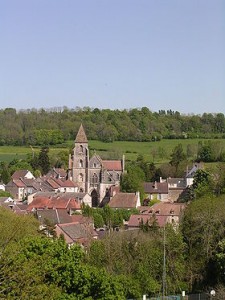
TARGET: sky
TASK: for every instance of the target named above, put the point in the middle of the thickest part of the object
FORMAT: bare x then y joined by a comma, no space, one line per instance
116,54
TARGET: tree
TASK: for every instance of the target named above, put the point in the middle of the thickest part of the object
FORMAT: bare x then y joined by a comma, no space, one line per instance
5,175
177,156
43,160
202,228
133,180
202,183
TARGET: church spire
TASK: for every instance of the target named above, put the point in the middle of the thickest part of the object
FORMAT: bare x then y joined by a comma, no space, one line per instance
81,135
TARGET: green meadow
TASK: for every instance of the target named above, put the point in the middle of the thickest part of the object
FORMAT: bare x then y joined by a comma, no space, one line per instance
157,152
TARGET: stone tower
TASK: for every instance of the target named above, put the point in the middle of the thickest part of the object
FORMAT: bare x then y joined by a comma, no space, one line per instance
79,162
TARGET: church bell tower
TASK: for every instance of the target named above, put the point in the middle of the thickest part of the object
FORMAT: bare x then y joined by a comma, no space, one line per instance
80,161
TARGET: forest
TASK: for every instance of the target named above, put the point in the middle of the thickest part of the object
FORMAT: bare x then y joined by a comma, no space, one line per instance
56,125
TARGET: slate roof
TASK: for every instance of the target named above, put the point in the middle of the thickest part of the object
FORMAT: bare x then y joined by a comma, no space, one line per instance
81,136
76,232
124,200
156,187
55,216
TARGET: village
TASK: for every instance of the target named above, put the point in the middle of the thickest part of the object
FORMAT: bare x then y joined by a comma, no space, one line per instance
59,197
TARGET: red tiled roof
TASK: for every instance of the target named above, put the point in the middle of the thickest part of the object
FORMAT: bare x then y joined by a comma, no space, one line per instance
123,200
53,183
114,165
60,171
136,220
68,183
54,201
19,174
19,183
39,202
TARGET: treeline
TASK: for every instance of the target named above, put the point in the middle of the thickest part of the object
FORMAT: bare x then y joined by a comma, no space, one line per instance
54,126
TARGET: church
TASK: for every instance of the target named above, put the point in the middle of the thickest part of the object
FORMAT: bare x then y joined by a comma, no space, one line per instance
94,176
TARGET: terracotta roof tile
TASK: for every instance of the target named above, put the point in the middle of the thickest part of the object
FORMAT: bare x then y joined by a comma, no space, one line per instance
19,174
123,200
113,165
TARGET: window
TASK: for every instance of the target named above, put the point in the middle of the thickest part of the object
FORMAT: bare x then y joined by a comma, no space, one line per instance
81,148
81,177
81,164
94,178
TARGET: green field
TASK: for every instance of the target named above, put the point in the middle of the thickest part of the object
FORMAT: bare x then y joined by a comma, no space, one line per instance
158,152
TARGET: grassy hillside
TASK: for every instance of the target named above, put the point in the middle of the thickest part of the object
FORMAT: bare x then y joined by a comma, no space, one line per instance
158,152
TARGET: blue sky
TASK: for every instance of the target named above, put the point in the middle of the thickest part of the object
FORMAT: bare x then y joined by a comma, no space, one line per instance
113,54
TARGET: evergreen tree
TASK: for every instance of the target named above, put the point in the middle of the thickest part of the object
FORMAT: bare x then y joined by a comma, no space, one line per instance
43,160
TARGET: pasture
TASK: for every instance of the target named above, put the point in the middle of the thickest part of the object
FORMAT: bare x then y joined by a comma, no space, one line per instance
157,152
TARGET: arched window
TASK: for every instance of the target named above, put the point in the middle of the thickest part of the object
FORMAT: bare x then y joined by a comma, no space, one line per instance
81,148
94,178
81,164
81,177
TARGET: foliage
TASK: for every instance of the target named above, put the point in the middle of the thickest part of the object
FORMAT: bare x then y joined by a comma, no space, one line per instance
41,268
202,183
202,228
43,160
52,126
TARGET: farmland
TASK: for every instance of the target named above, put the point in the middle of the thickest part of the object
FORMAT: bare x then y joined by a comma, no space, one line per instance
158,151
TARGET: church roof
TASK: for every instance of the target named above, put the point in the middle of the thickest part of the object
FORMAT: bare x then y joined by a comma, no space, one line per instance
81,135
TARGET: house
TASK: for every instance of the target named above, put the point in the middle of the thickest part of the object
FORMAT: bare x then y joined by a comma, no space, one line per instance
136,221
94,175
81,198
7,202
156,190
191,172
66,201
2,186
61,216
125,200
57,173
18,174
162,213
60,185
17,188
76,232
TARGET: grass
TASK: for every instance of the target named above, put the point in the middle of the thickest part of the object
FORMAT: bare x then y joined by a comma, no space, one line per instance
158,151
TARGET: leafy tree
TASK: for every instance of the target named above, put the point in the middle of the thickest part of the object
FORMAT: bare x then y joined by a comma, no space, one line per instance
202,183
98,220
133,180
202,228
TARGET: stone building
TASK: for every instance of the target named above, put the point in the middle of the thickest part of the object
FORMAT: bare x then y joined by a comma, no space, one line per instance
93,175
